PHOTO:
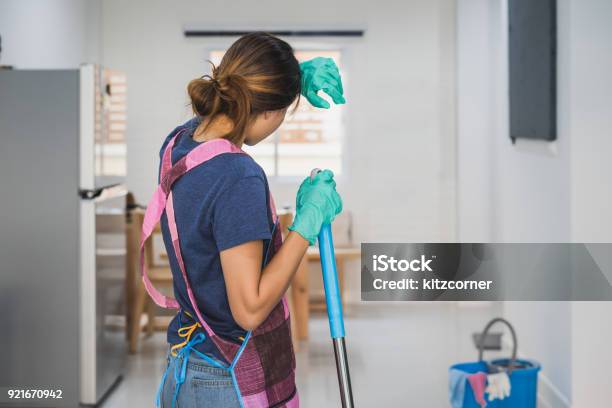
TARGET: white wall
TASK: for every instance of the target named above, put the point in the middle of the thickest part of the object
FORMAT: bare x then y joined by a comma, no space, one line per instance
590,124
400,79
49,33
540,191
475,124
507,192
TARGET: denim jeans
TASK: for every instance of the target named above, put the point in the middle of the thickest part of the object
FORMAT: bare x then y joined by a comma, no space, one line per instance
204,385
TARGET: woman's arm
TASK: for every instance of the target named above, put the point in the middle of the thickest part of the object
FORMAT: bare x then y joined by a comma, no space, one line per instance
253,293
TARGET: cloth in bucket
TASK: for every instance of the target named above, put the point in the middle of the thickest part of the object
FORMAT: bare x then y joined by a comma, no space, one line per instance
456,387
478,382
498,386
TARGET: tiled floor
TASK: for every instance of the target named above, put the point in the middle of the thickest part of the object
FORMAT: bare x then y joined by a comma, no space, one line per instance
399,356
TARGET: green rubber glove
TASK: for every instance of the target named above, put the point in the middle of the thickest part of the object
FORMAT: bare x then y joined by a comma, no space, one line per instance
321,74
317,203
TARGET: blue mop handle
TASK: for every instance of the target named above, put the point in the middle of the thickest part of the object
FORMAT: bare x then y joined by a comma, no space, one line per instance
334,310
330,282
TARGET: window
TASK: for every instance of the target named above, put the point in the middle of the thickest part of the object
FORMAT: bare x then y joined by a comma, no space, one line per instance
308,138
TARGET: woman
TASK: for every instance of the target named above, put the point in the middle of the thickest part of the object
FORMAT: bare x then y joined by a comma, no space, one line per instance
230,341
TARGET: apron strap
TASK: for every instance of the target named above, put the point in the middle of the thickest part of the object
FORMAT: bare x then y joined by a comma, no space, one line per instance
153,214
273,209
166,162
163,200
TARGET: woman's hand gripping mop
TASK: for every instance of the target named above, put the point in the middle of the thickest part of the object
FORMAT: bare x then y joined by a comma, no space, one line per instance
322,74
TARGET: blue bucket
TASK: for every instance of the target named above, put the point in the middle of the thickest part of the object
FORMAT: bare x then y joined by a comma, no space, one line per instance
523,376
524,383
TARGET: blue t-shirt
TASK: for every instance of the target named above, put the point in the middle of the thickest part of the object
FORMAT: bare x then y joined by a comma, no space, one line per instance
219,204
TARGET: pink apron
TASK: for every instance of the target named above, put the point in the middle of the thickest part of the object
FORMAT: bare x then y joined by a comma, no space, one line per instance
263,366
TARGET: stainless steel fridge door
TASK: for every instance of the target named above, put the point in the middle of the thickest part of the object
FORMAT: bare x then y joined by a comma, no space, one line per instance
39,233
103,345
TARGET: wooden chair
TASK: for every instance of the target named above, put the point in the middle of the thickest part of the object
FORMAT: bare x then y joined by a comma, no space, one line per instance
160,276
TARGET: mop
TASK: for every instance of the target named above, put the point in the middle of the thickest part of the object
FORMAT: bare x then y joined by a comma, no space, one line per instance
316,75
334,310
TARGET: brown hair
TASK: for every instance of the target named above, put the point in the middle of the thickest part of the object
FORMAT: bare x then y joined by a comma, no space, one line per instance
257,74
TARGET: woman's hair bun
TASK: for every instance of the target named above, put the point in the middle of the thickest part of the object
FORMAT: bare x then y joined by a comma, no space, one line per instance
201,92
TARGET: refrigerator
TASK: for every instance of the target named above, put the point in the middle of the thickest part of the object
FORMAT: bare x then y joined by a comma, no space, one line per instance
62,234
